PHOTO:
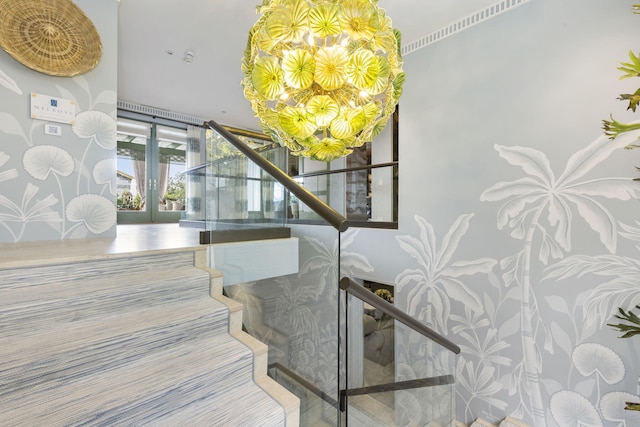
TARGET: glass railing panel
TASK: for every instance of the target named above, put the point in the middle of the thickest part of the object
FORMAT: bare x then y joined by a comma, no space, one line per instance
297,317
383,196
317,408
295,314
238,194
316,350
396,375
195,203
365,195
228,191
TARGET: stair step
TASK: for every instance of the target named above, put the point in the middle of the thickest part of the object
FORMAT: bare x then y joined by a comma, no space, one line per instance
144,389
89,345
132,340
74,271
71,301
243,406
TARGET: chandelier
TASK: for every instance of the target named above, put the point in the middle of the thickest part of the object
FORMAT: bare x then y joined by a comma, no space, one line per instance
322,76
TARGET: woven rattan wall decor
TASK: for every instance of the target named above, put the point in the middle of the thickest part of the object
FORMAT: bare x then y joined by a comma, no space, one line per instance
53,37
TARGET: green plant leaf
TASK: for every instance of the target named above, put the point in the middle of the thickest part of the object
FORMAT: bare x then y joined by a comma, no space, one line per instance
630,69
630,329
613,128
633,99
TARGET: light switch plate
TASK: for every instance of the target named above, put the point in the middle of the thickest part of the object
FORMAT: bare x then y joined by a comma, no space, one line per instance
50,129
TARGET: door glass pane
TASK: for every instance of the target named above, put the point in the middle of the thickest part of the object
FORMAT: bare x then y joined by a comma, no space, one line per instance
131,165
171,180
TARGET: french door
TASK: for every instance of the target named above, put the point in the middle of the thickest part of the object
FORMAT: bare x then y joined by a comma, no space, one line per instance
150,172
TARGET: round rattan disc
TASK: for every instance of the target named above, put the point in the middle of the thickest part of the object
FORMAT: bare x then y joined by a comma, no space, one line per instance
54,37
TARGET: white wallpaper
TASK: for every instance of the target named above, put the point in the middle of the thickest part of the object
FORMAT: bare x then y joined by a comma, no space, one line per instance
522,239
60,187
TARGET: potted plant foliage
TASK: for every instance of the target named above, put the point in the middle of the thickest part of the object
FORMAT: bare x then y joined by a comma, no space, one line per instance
630,325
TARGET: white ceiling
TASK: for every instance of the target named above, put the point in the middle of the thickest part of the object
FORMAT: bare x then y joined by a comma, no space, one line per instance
216,32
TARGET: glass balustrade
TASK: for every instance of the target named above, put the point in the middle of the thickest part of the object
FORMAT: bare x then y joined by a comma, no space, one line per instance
344,370
400,378
295,314
229,196
228,190
297,317
364,196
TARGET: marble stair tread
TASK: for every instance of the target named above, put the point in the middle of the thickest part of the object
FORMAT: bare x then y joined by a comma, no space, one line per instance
132,340
181,280
143,390
133,242
109,266
246,406
181,360
37,307
135,331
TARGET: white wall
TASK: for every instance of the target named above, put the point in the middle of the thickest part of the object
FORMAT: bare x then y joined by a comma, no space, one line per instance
60,187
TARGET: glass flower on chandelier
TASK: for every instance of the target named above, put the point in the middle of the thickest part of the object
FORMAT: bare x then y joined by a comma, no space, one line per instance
322,76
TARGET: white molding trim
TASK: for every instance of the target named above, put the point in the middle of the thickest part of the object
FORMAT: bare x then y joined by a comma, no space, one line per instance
157,112
462,24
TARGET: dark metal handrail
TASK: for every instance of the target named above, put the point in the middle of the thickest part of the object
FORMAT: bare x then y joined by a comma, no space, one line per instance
397,386
401,385
346,284
306,384
329,214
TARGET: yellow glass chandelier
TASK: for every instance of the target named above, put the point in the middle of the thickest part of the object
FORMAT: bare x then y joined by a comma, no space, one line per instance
323,76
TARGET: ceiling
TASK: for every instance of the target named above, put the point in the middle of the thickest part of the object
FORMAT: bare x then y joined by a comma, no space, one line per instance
153,36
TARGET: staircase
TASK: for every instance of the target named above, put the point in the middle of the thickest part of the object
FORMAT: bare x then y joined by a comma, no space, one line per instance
142,338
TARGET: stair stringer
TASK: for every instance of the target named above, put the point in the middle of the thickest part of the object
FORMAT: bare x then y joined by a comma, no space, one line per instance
280,394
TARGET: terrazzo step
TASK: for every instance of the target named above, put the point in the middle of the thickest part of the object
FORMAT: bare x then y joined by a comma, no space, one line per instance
124,341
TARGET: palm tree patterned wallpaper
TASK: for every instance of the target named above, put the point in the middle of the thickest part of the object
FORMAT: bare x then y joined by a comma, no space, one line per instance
519,235
60,187
522,239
